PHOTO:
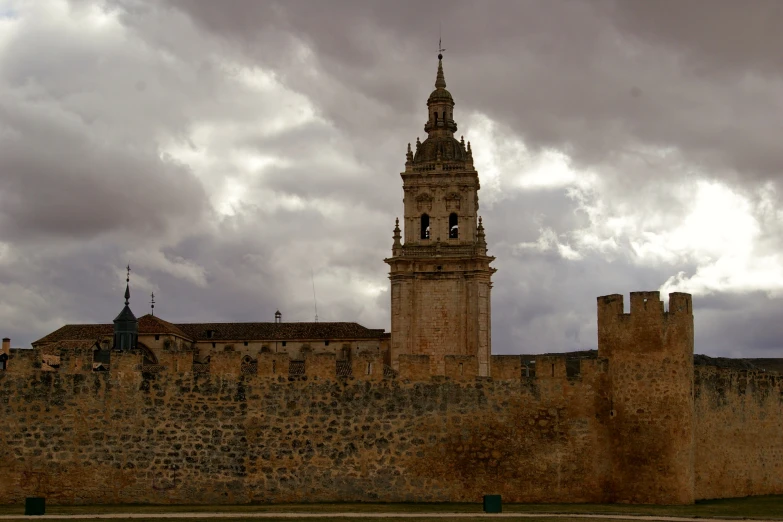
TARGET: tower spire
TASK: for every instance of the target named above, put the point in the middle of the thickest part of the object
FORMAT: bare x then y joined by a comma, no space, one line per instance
126,329
442,249
440,80
127,286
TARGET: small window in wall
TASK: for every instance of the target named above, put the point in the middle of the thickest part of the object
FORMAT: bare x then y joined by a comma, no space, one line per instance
369,368
453,226
326,343
213,345
245,343
3,361
283,343
425,226
157,337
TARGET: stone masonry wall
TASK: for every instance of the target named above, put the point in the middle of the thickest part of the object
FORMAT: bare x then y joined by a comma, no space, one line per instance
128,436
637,424
440,315
739,433
651,424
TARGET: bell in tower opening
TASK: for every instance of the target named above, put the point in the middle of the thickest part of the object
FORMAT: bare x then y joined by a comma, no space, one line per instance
440,274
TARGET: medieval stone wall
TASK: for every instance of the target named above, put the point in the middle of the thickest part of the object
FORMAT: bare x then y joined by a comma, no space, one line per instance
738,433
129,436
650,375
636,424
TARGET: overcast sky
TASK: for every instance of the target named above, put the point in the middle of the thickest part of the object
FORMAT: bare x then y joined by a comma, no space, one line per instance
229,150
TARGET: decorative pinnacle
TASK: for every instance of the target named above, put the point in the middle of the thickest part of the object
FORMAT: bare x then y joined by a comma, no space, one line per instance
152,303
409,154
418,143
127,286
480,239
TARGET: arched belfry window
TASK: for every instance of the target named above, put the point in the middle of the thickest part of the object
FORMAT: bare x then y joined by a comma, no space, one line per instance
425,226
436,117
453,226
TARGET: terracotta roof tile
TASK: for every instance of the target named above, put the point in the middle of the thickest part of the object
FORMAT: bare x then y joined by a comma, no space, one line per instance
222,331
149,324
279,331
74,332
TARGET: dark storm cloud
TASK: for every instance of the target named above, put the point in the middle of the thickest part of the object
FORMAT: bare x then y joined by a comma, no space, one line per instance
59,183
595,79
260,144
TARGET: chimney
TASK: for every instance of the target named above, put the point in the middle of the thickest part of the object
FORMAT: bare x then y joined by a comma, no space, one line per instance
278,317
6,346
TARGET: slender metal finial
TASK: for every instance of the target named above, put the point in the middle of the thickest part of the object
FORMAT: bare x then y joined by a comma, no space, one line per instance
440,44
152,304
127,286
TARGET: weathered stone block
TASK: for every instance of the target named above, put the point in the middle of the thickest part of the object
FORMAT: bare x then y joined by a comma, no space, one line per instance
506,367
367,367
415,367
461,367
321,366
225,363
273,365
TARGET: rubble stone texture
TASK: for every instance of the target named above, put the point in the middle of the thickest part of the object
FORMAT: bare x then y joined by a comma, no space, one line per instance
634,424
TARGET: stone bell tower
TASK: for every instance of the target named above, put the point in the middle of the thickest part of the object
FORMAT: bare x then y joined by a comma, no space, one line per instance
440,272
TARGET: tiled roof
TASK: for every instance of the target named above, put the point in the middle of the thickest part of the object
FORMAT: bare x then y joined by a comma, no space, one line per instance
74,332
149,324
279,331
222,331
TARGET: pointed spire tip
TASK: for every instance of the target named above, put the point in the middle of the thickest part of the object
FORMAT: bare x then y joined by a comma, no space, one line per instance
440,79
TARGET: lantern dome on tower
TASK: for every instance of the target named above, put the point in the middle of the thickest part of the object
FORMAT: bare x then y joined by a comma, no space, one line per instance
440,144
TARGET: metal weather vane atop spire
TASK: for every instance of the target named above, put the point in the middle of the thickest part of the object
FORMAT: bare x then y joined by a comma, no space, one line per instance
152,303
